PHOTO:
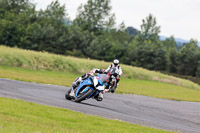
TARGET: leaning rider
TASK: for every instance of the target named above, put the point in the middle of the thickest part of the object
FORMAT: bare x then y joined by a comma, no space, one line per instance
116,65
103,77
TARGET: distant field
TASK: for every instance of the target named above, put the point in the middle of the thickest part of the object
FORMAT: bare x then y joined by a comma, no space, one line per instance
17,116
32,60
128,86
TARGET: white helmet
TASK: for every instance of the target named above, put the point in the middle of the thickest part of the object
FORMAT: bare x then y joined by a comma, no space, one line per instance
116,62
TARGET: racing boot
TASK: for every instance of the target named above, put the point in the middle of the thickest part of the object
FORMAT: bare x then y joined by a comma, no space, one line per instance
99,97
74,85
72,94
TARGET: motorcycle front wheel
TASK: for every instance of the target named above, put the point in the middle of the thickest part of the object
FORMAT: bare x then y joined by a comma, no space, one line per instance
113,87
83,96
67,96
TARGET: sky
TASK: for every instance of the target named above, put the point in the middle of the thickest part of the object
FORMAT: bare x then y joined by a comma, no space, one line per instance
180,18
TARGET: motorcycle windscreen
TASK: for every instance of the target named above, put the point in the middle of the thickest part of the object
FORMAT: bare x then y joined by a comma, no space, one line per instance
98,80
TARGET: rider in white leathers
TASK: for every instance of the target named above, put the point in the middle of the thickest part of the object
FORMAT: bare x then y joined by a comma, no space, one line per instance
118,69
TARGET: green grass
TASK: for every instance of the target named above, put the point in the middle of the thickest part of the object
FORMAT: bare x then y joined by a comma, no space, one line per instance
158,89
42,76
32,60
17,116
128,86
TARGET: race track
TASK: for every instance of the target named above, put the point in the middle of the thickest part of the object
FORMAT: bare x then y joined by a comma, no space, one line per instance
148,111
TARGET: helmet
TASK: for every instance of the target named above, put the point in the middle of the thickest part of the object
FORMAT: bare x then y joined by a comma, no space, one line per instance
84,76
116,62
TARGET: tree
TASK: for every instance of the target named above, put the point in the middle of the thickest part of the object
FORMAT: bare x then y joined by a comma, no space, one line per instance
169,45
149,57
49,32
15,16
172,60
188,58
15,6
146,49
95,16
94,21
119,39
149,30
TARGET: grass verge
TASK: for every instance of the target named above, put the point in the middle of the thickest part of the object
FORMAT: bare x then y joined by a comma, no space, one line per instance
128,86
17,116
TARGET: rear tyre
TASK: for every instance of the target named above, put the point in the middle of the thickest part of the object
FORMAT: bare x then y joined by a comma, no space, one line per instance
83,96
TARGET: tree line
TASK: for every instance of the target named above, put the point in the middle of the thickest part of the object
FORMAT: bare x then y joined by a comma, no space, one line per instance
93,34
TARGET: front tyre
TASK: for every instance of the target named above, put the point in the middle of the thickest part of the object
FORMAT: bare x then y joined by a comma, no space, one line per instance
113,88
83,96
67,96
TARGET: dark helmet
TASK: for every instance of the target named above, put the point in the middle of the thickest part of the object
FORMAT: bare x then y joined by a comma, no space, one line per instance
116,62
84,76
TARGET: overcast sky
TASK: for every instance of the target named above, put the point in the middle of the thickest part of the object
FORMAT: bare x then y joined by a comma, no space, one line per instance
180,18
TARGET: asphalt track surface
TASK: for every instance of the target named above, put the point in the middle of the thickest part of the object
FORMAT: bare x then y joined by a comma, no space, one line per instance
147,111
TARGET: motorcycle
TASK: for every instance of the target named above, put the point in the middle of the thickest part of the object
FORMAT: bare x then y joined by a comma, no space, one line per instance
88,88
113,80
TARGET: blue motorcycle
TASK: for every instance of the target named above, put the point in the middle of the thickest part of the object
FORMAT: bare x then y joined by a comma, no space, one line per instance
88,88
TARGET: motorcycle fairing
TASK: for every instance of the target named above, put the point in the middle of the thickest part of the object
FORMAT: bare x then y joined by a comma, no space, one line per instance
85,82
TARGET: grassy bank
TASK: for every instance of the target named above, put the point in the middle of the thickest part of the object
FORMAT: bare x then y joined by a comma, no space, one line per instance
32,60
17,116
128,86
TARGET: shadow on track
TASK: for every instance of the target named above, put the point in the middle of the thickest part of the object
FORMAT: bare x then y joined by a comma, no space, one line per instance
98,106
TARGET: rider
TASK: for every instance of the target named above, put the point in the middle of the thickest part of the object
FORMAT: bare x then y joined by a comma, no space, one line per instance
118,69
78,80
